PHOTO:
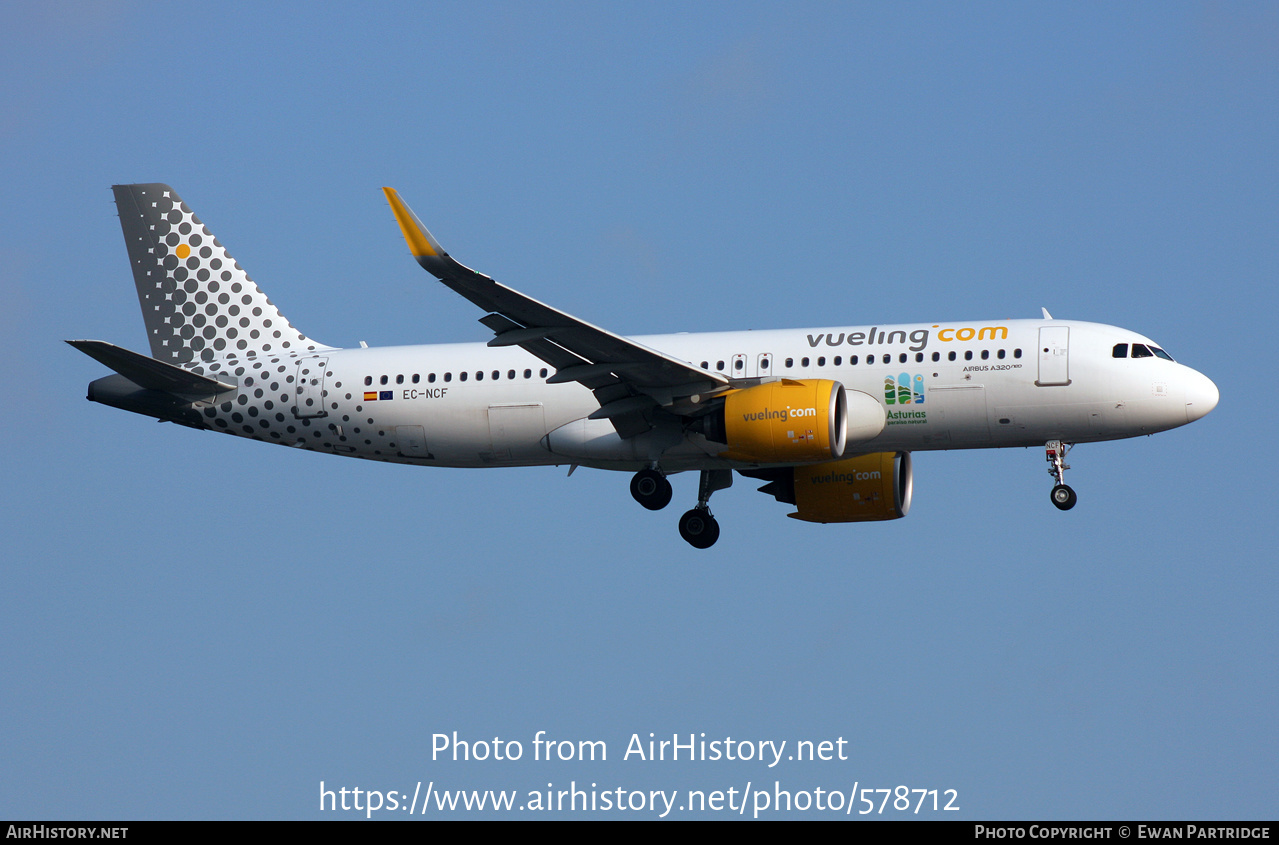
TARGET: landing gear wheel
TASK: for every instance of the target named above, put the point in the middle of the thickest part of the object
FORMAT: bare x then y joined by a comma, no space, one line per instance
1063,497
699,528
651,489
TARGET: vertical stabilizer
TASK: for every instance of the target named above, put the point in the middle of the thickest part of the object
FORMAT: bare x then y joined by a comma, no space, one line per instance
197,302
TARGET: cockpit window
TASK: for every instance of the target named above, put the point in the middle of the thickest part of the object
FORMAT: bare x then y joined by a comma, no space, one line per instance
1139,350
1121,350
1159,353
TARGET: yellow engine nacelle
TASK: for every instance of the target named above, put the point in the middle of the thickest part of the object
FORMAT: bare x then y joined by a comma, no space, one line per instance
788,421
785,421
866,488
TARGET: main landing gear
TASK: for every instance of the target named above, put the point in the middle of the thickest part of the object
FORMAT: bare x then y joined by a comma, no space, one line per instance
697,526
651,489
1063,497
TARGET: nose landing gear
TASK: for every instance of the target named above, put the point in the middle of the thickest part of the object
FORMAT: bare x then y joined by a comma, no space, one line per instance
1062,496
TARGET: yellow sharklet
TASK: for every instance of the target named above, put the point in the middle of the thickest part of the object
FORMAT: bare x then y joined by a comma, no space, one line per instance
419,240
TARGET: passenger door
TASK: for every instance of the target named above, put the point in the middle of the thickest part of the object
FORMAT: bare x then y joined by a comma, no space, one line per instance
309,390
1054,359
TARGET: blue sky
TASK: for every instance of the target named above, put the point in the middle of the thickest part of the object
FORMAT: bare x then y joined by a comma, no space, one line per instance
194,626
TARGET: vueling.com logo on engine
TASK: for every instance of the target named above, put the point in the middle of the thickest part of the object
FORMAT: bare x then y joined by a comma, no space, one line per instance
904,390
788,413
846,477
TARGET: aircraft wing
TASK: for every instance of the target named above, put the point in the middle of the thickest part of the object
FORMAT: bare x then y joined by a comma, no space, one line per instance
631,381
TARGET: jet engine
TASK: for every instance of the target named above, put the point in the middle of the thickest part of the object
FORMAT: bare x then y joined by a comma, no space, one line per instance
794,421
866,488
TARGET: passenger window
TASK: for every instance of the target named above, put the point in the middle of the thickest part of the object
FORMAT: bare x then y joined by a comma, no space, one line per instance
448,376
790,362
706,365
1016,353
803,362
431,378
985,354
528,374
383,379
1120,351
919,357
936,356
968,356
821,362
901,359
838,360
852,359
719,365
738,364
543,371
510,374
951,356
416,378
368,380
399,379
1001,355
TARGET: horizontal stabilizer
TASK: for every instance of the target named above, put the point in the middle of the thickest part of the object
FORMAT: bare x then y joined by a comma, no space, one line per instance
149,373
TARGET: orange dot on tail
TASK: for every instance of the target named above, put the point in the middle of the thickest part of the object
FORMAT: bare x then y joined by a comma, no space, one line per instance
183,250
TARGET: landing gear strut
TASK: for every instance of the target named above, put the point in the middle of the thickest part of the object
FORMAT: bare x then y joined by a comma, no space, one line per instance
651,489
697,526
1055,452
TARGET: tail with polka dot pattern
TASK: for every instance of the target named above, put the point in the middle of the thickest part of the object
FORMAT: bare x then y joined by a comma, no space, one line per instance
197,302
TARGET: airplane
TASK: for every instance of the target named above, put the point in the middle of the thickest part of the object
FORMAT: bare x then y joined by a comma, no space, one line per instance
827,418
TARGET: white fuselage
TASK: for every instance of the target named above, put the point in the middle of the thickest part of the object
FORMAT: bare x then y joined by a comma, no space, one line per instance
943,386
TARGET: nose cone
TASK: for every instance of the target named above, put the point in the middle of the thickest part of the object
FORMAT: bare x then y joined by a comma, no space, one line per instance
1201,396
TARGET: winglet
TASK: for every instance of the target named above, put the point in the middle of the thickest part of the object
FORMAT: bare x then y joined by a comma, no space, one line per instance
420,242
